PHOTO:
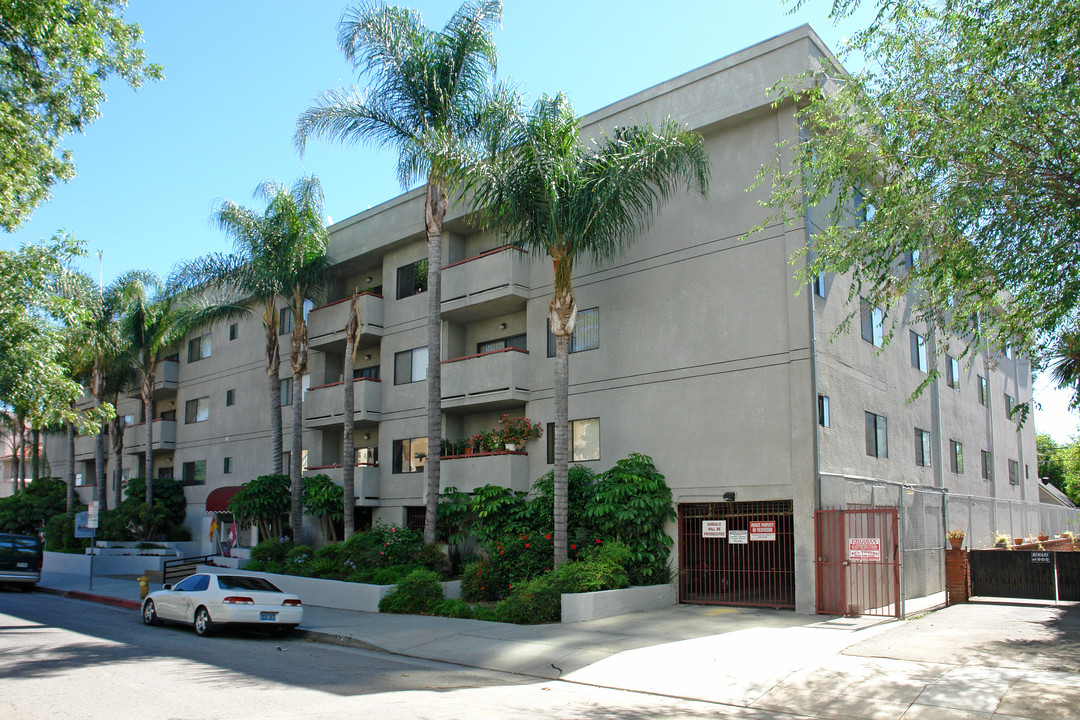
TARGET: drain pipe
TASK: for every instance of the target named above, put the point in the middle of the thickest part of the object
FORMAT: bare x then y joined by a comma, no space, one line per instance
812,320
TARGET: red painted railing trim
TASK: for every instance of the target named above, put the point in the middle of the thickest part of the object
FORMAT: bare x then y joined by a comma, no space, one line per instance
335,302
487,453
332,467
484,254
342,382
489,352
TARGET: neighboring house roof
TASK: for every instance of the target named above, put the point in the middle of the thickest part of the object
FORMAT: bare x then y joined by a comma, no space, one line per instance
1051,495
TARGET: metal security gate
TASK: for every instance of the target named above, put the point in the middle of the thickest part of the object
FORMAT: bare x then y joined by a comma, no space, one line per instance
737,553
857,562
1030,574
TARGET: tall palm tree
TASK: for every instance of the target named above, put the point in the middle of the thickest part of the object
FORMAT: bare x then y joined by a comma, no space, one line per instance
1064,364
348,467
428,96
557,196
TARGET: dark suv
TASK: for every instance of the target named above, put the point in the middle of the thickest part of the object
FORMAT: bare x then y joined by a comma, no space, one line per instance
20,560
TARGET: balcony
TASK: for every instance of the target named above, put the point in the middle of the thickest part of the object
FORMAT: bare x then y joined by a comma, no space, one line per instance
84,446
468,472
365,480
494,380
166,380
164,436
488,285
326,323
324,407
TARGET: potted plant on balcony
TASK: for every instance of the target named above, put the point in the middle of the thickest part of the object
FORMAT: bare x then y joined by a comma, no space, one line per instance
956,538
514,432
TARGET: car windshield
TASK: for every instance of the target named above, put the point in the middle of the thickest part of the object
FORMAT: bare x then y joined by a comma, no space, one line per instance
241,582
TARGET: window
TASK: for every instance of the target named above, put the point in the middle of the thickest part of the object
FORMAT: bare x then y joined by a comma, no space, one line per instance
194,473
286,392
197,410
79,480
584,440
877,436
410,366
167,415
285,321
819,284
415,517
412,279
983,397
1009,352
956,457
823,410
1014,472
371,373
922,448
986,465
198,348
586,335
227,468
129,419
514,341
234,331
230,398
911,259
1009,404
873,322
195,583
918,352
367,456
410,455
952,372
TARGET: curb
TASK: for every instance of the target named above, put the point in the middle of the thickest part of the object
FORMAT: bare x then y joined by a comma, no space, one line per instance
335,639
92,597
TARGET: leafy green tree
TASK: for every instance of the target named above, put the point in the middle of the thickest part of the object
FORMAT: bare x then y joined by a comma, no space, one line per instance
1051,465
263,502
55,56
957,144
28,511
324,499
429,97
556,196
1063,362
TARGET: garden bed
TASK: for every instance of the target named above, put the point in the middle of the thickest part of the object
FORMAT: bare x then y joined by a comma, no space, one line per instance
578,607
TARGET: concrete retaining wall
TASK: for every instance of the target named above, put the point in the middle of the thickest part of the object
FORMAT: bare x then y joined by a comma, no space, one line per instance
334,593
578,607
103,564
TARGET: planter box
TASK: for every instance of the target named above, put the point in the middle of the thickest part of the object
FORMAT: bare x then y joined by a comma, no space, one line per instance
578,607
334,593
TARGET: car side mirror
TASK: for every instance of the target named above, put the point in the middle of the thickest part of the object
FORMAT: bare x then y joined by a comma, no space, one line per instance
167,586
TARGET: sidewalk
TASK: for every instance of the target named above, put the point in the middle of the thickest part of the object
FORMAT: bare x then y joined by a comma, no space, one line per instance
958,663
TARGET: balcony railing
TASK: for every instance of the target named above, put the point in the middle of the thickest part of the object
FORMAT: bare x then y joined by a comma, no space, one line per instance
164,436
324,404
488,285
365,480
166,380
492,380
326,323
468,472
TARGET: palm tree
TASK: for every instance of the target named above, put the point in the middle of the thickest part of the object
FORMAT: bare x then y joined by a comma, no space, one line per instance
556,196
428,97
348,468
1064,364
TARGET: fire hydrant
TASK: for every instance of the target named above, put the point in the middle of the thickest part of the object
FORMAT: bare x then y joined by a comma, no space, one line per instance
144,586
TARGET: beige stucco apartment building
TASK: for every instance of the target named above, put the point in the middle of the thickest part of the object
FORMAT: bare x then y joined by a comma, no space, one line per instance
698,348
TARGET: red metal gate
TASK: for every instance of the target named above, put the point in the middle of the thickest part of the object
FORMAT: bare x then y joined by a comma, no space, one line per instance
858,562
737,553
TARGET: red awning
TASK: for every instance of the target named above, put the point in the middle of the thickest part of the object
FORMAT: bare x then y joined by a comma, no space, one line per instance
218,499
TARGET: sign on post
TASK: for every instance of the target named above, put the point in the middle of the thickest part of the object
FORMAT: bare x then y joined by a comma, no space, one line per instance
864,549
93,510
763,530
714,528
82,528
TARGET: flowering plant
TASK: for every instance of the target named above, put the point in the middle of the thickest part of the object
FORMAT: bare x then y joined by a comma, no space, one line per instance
955,534
518,430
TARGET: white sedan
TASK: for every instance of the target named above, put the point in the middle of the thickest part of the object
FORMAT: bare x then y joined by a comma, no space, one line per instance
206,600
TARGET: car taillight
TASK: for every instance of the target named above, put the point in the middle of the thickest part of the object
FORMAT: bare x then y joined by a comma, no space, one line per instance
291,602
238,600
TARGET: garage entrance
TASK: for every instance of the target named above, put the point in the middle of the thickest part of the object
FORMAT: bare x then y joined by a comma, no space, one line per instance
737,553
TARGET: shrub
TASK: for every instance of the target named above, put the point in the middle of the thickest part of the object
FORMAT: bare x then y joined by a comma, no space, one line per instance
25,511
417,594
536,601
272,549
600,569
474,582
434,558
453,609
60,535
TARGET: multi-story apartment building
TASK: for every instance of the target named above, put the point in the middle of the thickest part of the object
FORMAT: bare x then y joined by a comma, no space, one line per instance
698,347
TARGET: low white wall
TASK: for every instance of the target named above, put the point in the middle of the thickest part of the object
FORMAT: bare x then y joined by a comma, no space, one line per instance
333,593
578,607
103,564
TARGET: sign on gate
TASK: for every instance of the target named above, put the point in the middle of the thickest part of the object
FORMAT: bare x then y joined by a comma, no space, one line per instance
763,530
1040,556
864,549
738,537
714,528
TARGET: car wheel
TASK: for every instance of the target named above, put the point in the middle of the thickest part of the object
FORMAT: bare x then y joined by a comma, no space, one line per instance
203,624
149,613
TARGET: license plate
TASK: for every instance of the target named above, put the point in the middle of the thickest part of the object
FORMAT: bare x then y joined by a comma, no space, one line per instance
271,616
22,565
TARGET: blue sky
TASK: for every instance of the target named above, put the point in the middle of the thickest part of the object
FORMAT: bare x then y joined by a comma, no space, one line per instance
152,168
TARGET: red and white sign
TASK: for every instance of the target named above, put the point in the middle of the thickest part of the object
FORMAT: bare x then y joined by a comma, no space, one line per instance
762,529
714,528
864,549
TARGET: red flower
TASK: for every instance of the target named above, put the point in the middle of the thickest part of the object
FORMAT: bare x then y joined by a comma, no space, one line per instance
526,544
573,547
500,552
548,536
597,541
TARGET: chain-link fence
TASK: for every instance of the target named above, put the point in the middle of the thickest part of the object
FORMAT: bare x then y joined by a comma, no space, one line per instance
926,513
